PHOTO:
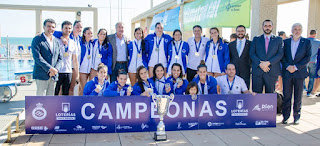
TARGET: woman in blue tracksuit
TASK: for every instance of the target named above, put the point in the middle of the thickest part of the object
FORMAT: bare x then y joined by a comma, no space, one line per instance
98,84
119,87
137,55
157,47
144,86
177,52
178,84
103,51
162,85
86,57
206,84
217,54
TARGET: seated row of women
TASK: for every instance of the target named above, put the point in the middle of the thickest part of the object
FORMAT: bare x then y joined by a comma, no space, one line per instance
158,84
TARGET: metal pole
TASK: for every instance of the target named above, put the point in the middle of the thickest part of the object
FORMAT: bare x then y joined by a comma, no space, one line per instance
121,10
110,17
118,10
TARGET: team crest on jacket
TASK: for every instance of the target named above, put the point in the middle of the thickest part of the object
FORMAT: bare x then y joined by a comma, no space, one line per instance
166,40
183,50
220,47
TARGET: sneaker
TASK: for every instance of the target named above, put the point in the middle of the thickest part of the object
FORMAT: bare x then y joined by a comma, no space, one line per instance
308,94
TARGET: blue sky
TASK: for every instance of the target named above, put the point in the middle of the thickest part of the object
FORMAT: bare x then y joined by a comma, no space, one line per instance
17,23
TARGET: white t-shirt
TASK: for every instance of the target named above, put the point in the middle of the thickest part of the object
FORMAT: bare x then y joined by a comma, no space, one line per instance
238,86
212,63
174,59
158,56
193,60
135,60
67,56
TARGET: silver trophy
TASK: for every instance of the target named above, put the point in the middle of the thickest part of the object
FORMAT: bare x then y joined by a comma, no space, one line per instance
162,104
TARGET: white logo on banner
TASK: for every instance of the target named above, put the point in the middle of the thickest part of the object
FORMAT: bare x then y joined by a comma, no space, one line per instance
264,107
66,115
39,128
239,111
179,125
192,124
210,124
241,123
262,122
39,113
78,128
143,126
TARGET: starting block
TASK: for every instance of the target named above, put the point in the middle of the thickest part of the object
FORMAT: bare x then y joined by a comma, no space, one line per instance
6,93
24,76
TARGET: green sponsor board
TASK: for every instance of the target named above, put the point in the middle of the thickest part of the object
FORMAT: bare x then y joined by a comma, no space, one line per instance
216,13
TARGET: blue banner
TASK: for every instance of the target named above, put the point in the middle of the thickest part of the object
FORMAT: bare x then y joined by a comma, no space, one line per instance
170,20
96,114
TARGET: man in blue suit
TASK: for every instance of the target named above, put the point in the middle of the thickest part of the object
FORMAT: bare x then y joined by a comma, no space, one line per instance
265,52
297,53
48,60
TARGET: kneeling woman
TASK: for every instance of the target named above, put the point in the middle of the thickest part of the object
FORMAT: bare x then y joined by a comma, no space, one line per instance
161,83
144,86
99,83
206,84
178,84
119,87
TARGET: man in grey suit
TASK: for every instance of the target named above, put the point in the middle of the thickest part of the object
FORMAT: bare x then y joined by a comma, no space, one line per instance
48,60
266,52
120,54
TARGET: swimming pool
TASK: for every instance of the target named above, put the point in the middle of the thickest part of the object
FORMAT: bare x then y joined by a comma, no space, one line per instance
9,67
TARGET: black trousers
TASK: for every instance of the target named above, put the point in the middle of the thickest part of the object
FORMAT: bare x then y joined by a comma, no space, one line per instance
190,74
64,81
265,80
290,85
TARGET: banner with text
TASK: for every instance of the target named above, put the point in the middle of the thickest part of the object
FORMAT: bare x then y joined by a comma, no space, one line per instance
96,114
169,19
216,13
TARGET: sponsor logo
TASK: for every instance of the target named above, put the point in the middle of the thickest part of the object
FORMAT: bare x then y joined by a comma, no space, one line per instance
233,7
143,126
119,127
264,107
78,128
95,127
192,124
179,125
262,122
103,127
241,123
240,111
210,124
39,128
39,113
58,129
66,114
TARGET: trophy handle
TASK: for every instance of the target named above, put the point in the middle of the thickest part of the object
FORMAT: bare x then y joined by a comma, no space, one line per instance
154,96
171,97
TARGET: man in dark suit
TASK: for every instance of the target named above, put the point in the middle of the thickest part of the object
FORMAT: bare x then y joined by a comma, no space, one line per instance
48,59
239,55
265,52
297,53
120,54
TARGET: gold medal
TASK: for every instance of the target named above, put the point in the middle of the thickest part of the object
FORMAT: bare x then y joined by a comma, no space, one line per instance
157,49
197,54
66,54
214,56
139,55
129,89
100,56
149,90
89,56
176,57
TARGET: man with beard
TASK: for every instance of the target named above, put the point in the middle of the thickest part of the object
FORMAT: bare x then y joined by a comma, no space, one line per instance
265,52
231,83
239,54
297,53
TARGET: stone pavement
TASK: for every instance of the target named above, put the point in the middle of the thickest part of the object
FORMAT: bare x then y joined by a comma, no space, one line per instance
307,133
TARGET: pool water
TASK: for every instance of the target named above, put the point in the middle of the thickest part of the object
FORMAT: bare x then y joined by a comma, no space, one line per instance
9,67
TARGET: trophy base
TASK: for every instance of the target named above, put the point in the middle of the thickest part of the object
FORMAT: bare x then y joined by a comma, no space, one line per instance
160,137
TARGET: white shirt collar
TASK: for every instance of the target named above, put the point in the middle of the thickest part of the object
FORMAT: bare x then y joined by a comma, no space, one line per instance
47,37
